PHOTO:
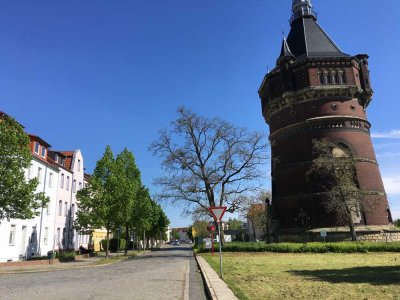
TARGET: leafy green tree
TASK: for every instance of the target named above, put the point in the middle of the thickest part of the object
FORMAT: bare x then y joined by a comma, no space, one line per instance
17,195
234,224
199,229
127,189
175,234
158,220
141,213
397,223
99,204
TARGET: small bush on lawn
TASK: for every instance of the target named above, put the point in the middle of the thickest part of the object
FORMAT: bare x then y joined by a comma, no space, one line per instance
342,247
114,244
66,256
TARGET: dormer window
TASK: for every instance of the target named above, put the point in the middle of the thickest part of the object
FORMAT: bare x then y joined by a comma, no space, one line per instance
43,151
37,147
59,160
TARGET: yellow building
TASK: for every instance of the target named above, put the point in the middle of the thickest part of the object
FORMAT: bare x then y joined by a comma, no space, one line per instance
97,236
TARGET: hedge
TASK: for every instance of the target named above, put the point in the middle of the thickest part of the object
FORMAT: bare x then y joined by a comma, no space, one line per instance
114,244
340,247
66,256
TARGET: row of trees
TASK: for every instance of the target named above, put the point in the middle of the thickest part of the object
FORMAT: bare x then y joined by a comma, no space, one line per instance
116,199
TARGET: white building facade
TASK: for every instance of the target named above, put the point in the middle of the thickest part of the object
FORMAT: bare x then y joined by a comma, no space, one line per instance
71,180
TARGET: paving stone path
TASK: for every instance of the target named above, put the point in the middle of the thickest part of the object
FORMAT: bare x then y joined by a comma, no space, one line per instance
170,273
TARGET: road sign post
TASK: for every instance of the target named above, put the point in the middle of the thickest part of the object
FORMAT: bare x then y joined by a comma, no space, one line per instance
218,213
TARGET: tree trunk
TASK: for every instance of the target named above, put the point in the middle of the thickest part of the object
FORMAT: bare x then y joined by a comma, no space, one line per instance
126,239
254,230
108,243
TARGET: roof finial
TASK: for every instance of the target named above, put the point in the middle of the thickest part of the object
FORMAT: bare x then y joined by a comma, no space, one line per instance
302,8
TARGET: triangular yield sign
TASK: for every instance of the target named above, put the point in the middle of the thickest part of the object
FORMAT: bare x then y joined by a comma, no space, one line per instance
217,212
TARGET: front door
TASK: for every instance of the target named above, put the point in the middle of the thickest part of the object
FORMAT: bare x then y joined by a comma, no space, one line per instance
22,247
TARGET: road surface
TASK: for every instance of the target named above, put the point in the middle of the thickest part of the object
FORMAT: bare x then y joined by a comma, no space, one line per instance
170,273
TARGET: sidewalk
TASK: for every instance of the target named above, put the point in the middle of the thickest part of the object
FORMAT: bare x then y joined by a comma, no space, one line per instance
26,267
217,288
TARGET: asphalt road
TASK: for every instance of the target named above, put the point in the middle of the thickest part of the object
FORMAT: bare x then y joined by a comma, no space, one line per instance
170,273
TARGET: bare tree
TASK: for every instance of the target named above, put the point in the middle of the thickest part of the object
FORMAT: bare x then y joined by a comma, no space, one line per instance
208,162
335,167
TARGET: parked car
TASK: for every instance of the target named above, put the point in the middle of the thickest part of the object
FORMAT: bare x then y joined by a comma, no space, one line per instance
175,243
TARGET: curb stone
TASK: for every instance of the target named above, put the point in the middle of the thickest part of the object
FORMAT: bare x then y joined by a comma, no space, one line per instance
90,265
217,288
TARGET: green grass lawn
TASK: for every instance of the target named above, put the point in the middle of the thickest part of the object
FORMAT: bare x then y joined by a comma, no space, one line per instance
311,276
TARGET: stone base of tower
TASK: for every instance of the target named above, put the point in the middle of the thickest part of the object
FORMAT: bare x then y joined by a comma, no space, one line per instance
380,234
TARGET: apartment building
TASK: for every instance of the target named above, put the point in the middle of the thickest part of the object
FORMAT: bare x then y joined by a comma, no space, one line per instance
61,176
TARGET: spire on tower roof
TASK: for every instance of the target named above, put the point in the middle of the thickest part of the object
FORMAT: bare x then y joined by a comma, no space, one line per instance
301,8
285,50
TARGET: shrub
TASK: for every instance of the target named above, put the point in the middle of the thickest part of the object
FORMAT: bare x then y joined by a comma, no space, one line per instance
114,244
66,256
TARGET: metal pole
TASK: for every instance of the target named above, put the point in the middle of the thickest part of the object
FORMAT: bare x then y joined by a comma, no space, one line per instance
220,250
212,243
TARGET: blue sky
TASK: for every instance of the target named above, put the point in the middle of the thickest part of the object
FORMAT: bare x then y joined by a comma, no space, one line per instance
87,73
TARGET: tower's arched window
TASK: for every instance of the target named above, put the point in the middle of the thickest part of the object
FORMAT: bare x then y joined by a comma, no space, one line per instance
321,77
342,77
335,77
328,77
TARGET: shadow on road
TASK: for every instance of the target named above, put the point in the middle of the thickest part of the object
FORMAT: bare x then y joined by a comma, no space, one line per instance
370,275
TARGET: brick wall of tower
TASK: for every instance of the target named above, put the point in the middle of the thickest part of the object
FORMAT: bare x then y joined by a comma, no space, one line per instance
328,115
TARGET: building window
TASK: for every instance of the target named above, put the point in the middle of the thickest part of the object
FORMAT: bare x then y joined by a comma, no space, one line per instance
39,174
335,78
43,151
30,172
37,147
66,209
342,77
60,208
80,186
48,209
34,235
79,164
62,181
328,78
74,186
72,210
58,235
321,77
51,179
67,183
46,235
11,239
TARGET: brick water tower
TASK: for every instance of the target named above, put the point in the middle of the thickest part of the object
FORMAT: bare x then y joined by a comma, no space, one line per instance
317,91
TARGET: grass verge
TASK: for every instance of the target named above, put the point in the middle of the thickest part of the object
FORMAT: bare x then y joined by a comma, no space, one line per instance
114,258
311,276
